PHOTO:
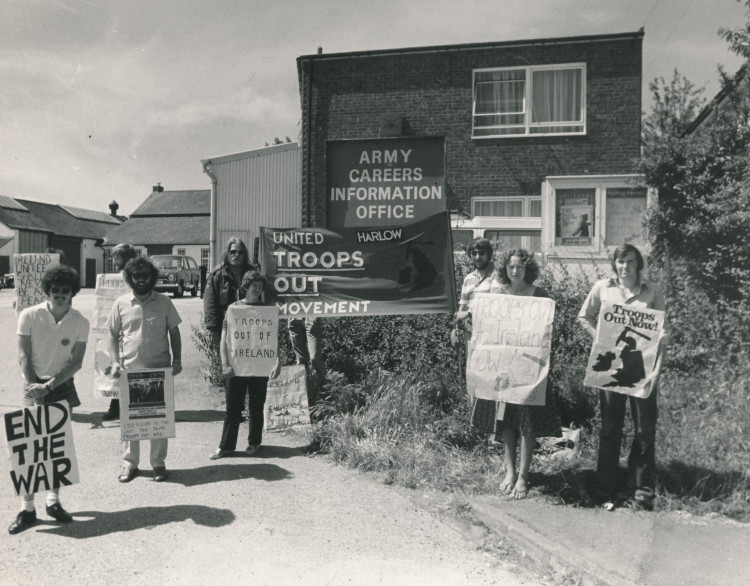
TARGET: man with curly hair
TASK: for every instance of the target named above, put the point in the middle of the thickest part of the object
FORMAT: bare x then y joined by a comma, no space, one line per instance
52,339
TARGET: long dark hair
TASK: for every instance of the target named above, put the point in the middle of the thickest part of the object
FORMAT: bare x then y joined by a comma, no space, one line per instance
246,265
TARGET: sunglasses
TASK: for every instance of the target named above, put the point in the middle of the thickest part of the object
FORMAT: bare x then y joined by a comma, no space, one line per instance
63,290
236,253
141,276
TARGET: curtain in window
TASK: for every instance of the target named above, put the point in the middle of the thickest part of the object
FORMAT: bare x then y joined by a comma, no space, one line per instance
556,95
500,92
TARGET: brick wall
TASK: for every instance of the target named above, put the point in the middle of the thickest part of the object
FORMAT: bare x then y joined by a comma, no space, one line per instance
343,97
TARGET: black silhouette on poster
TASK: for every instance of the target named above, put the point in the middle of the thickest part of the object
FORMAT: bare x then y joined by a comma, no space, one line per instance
632,369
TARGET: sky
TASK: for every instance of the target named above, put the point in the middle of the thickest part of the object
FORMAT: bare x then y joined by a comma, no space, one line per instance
102,99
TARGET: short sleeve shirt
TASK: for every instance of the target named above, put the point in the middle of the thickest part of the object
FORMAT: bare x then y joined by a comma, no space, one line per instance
51,342
143,329
475,283
648,295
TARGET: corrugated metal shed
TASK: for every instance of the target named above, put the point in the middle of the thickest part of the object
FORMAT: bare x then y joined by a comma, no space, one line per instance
253,189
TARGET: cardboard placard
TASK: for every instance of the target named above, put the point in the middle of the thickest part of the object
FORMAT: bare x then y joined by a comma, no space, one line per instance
252,338
286,399
147,404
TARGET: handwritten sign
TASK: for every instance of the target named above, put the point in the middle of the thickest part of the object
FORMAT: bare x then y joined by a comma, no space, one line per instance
108,288
252,339
146,404
40,448
624,355
28,281
509,350
286,399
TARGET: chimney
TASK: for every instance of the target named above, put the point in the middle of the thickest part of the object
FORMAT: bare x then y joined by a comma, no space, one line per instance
158,188
113,207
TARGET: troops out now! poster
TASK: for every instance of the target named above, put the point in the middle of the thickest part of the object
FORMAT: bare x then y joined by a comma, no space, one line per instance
624,357
317,272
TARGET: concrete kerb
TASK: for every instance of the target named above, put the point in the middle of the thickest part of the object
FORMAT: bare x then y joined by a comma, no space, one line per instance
541,548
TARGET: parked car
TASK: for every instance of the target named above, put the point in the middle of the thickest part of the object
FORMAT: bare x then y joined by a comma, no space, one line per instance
177,274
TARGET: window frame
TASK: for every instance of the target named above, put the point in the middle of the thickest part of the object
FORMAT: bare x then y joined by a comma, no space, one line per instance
527,110
600,184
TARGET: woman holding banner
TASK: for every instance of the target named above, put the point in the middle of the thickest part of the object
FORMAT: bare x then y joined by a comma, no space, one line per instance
237,387
517,272
625,287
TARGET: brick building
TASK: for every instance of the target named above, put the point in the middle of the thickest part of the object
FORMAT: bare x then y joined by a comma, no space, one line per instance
540,137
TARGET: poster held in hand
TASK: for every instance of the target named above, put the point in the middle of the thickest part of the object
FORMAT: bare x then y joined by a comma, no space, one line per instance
40,447
147,404
286,399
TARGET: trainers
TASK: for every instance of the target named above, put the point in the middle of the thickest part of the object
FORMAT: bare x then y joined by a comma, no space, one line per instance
127,474
218,454
58,513
160,474
250,450
24,520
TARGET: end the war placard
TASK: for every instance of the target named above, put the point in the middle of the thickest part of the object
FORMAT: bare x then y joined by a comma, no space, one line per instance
252,338
40,448
509,351
625,351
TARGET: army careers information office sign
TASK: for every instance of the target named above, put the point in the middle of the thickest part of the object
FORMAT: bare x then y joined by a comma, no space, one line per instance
384,182
317,272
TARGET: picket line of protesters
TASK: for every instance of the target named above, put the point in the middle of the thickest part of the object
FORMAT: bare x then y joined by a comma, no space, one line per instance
515,275
144,333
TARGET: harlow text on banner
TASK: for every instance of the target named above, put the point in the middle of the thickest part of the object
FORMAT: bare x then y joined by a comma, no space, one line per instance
40,448
384,181
318,272
625,351
147,404
252,339
509,351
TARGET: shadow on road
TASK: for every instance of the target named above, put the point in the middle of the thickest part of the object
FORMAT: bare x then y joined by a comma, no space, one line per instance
200,415
98,523
225,472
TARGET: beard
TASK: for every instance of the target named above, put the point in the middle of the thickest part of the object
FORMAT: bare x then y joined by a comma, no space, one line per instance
142,288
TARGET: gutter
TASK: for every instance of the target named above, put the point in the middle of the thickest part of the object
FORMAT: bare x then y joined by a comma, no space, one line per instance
212,224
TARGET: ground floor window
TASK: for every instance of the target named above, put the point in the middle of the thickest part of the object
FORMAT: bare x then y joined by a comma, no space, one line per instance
206,257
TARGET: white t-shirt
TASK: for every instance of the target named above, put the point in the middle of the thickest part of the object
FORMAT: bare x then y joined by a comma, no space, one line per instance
51,343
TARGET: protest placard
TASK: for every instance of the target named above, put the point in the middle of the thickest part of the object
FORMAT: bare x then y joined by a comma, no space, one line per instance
28,280
146,404
625,351
318,272
286,399
40,447
109,287
509,351
252,338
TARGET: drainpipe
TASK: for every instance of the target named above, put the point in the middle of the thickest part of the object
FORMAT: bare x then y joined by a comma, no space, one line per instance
212,223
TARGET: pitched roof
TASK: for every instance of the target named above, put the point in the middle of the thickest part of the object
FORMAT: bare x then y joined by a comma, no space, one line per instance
62,222
18,217
175,203
161,230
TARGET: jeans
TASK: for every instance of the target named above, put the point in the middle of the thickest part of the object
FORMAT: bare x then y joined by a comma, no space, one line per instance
236,390
306,335
641,461
132,454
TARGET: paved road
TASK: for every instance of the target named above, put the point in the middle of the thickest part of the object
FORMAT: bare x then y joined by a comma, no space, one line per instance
279,518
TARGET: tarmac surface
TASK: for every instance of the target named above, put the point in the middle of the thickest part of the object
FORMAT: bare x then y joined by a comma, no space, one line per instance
284,517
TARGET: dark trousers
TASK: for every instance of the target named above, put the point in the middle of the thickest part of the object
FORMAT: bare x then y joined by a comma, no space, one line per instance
236,389
641,461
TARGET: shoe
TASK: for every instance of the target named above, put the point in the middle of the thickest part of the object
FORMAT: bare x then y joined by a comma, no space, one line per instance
24,520
127,474
644,502
160,474
111,416
58,513
250,450
218,454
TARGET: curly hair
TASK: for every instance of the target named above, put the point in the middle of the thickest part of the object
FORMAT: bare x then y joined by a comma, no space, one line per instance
527,258
63,276
122,253
140,265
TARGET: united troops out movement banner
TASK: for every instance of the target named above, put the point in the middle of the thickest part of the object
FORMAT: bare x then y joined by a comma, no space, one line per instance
317,272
